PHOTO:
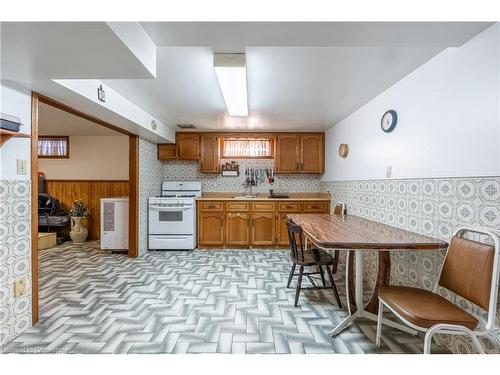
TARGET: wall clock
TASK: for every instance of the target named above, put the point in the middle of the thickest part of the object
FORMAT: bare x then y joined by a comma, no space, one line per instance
389,121
343,150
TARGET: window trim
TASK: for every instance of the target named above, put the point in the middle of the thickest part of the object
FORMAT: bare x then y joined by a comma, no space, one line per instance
65,137
271,144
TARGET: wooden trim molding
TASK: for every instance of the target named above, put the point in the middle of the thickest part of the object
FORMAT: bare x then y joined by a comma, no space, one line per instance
34,208
73,111
133,196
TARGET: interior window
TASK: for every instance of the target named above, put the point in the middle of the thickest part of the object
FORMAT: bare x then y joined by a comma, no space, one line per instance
53,147
247,148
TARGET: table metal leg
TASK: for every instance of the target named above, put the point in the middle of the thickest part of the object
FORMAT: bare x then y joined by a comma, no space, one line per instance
361,311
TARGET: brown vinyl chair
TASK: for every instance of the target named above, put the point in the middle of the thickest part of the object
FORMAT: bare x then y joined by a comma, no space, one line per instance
470,270
312,257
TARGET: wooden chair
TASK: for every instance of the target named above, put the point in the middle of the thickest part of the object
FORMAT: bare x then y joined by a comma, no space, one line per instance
339,209
470,269
308,258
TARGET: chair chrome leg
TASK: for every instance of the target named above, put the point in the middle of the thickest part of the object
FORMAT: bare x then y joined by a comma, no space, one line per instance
476,341
428,342
299,283
290,277
334,287
379,322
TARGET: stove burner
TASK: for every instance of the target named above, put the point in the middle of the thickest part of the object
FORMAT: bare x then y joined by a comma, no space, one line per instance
168,196
187,196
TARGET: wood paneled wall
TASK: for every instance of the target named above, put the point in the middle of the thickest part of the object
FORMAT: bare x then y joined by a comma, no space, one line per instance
90,191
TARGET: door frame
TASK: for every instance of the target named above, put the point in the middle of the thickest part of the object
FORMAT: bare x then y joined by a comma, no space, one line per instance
133,178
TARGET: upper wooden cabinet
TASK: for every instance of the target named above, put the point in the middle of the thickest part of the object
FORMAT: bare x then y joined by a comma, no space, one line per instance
312,153
209,153
166,152
293,152
300,153
287,152
188,146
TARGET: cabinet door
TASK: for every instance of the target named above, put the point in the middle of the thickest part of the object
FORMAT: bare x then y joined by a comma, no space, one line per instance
237,228
287,148
312,153
188,146
167,152
263,228
282,229
211,228
209,153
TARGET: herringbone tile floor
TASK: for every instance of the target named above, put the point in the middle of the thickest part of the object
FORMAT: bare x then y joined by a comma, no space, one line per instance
217,301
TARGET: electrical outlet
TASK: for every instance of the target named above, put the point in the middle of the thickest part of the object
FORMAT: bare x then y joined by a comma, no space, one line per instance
19,288
388,171
21,166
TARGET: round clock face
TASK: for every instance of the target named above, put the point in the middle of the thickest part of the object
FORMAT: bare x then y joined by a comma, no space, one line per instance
389,120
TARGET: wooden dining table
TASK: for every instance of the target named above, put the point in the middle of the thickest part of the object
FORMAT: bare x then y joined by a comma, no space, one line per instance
358,235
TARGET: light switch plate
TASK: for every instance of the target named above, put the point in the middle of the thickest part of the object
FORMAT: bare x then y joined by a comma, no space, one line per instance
388,171
21,166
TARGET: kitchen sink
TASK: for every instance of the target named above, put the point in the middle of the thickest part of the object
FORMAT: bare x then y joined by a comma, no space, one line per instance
246,197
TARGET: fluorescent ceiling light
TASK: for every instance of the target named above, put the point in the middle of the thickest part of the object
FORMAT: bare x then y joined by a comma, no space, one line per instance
231,72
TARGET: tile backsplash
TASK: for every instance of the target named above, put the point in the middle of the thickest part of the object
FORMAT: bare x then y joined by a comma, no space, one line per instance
434,207
180,170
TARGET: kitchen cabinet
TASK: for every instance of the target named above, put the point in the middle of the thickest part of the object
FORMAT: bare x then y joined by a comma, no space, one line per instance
293,152
262,228
300,153
211,228
287,149
247,223
209,153
188,146
167,151
281,229
312,153
237,224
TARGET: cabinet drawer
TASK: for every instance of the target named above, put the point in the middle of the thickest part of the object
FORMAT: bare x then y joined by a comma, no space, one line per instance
211,206
289,207
263,206
315,206
237,206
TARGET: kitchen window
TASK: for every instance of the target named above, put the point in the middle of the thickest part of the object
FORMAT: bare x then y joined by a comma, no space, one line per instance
53,147
247,148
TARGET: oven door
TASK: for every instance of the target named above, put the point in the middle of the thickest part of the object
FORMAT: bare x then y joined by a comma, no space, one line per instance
171,218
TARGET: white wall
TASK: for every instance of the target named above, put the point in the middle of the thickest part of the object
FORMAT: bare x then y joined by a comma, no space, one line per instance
15,101
449,122
91,158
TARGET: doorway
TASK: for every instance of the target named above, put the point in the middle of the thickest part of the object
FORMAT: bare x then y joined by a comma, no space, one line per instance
132,187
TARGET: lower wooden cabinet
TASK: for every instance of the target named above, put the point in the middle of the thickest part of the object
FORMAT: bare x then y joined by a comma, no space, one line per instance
211,228
237,224
262,228
240,223
281,229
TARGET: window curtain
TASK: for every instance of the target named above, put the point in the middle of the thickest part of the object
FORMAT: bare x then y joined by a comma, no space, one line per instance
52,147
247,148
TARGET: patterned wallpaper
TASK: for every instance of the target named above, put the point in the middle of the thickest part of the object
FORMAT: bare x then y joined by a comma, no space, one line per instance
15,256
150,179
435,207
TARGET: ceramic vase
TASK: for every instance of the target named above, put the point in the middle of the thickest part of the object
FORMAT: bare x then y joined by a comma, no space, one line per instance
78,232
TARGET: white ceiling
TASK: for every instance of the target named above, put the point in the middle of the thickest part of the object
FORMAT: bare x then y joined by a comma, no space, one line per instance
301,76
53,121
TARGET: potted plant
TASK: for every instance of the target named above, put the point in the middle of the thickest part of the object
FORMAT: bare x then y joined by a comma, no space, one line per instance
77,213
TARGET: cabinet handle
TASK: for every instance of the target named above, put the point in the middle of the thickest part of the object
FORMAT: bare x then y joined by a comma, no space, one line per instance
297,166
221,221
211,206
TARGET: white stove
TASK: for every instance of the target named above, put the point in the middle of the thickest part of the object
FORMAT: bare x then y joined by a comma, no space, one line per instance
172,216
